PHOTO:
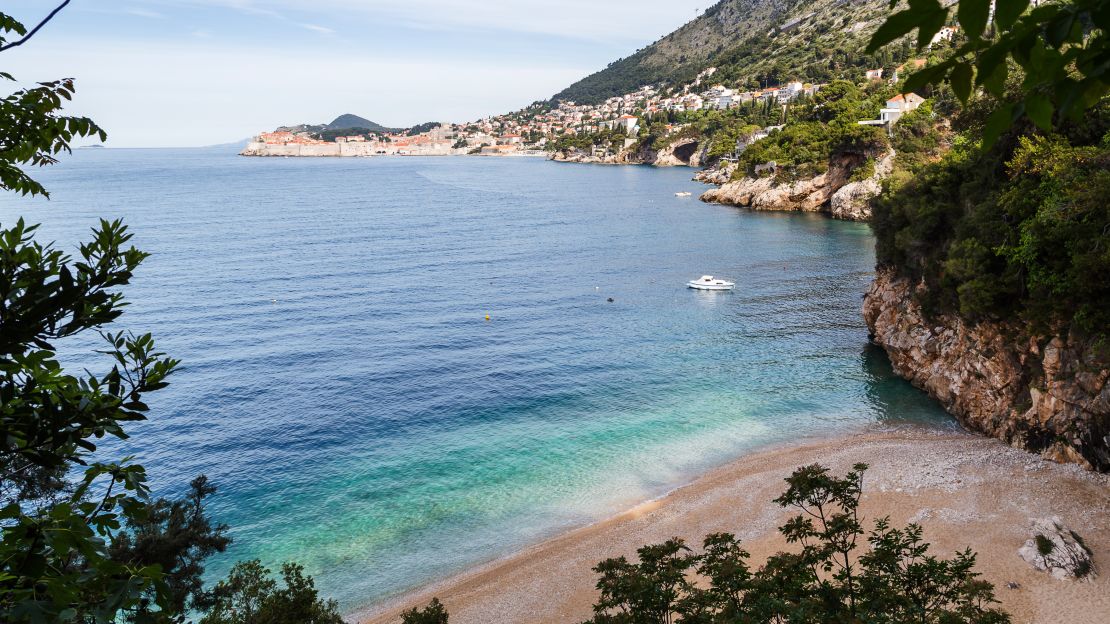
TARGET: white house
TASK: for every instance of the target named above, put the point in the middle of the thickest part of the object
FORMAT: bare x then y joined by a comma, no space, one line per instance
724,100
905,103
895,108
944,34
629,123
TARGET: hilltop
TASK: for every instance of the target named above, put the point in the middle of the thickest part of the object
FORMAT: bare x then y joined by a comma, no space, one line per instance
350,121
751,43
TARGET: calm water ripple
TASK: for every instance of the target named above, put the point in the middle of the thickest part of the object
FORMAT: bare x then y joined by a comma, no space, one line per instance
342,388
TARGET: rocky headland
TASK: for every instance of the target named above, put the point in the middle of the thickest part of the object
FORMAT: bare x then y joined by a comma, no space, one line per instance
1046,394
681,153
836,192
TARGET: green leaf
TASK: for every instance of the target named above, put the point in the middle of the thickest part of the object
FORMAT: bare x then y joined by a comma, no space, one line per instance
1040,110
1006,12
1060,30
995,82
973,16
960,78
927,76
930,25
894,27
998,122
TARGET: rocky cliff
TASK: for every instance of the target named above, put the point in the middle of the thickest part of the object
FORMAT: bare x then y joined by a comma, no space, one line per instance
833,192
682,153
1047,394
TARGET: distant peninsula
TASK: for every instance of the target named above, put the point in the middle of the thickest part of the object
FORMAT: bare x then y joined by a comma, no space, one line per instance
352,136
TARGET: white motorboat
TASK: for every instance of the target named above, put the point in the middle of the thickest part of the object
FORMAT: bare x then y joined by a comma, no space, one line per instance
683,194
708,282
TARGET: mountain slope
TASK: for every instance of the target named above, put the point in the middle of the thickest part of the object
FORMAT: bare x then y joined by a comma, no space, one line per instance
348,120
749,41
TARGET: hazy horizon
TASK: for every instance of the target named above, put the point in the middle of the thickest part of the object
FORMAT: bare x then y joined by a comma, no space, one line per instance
190,73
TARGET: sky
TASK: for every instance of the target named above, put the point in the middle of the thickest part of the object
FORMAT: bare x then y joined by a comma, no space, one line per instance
167,73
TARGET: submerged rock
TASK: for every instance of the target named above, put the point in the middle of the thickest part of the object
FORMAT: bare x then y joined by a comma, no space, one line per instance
1057,550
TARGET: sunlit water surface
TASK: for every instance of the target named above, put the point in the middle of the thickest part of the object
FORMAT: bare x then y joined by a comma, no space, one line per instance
343,389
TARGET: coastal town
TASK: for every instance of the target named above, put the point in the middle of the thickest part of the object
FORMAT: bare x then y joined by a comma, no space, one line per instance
534,130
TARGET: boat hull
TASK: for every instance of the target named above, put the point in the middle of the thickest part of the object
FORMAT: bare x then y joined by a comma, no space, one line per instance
710,286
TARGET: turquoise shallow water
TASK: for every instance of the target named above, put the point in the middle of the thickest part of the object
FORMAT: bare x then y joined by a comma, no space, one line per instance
342,388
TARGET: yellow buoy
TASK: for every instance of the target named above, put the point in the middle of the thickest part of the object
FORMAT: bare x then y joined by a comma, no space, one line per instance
487,317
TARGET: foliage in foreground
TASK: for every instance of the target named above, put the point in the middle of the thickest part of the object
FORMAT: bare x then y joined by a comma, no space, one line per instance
1013,224
1019,231
1062,49
81,540
895,581
434,613
250,596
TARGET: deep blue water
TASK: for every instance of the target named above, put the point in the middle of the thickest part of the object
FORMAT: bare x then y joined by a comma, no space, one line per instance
342,386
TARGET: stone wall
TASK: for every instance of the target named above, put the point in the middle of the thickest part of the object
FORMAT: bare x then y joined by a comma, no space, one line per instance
255,148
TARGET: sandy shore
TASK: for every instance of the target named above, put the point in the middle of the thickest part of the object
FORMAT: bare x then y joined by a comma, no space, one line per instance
966,490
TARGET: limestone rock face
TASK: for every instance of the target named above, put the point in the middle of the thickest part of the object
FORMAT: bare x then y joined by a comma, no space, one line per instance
718,174
852,201
765,193
815,194
1046,394
1057,550
682,153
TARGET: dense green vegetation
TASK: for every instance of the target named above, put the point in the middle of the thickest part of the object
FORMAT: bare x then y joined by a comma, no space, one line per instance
611,140
250,596
329,134
1017,230
1061,50
422,128
896,581
822,128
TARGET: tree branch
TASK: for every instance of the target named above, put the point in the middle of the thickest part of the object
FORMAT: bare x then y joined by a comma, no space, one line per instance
35,29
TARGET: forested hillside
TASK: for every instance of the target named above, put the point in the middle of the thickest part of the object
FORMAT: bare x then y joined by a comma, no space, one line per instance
751,42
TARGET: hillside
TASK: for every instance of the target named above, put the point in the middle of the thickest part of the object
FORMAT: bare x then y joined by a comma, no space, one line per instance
348,120
750,42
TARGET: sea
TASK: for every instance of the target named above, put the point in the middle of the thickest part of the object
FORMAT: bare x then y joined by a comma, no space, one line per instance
394,369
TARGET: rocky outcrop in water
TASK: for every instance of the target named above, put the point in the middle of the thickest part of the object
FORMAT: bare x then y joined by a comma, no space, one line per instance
1047,394
681,153
718,174
852,202
832,192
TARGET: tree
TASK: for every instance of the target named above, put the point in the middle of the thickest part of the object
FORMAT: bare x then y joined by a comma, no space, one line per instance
897,581
1062,49
54,560
434,613
97,548
31,130
177,536
249,596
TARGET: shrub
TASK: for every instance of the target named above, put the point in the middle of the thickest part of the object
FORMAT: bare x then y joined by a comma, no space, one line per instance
434,613
1020,231
896,581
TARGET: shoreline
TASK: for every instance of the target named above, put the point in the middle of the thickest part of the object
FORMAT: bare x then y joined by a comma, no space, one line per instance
966,490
